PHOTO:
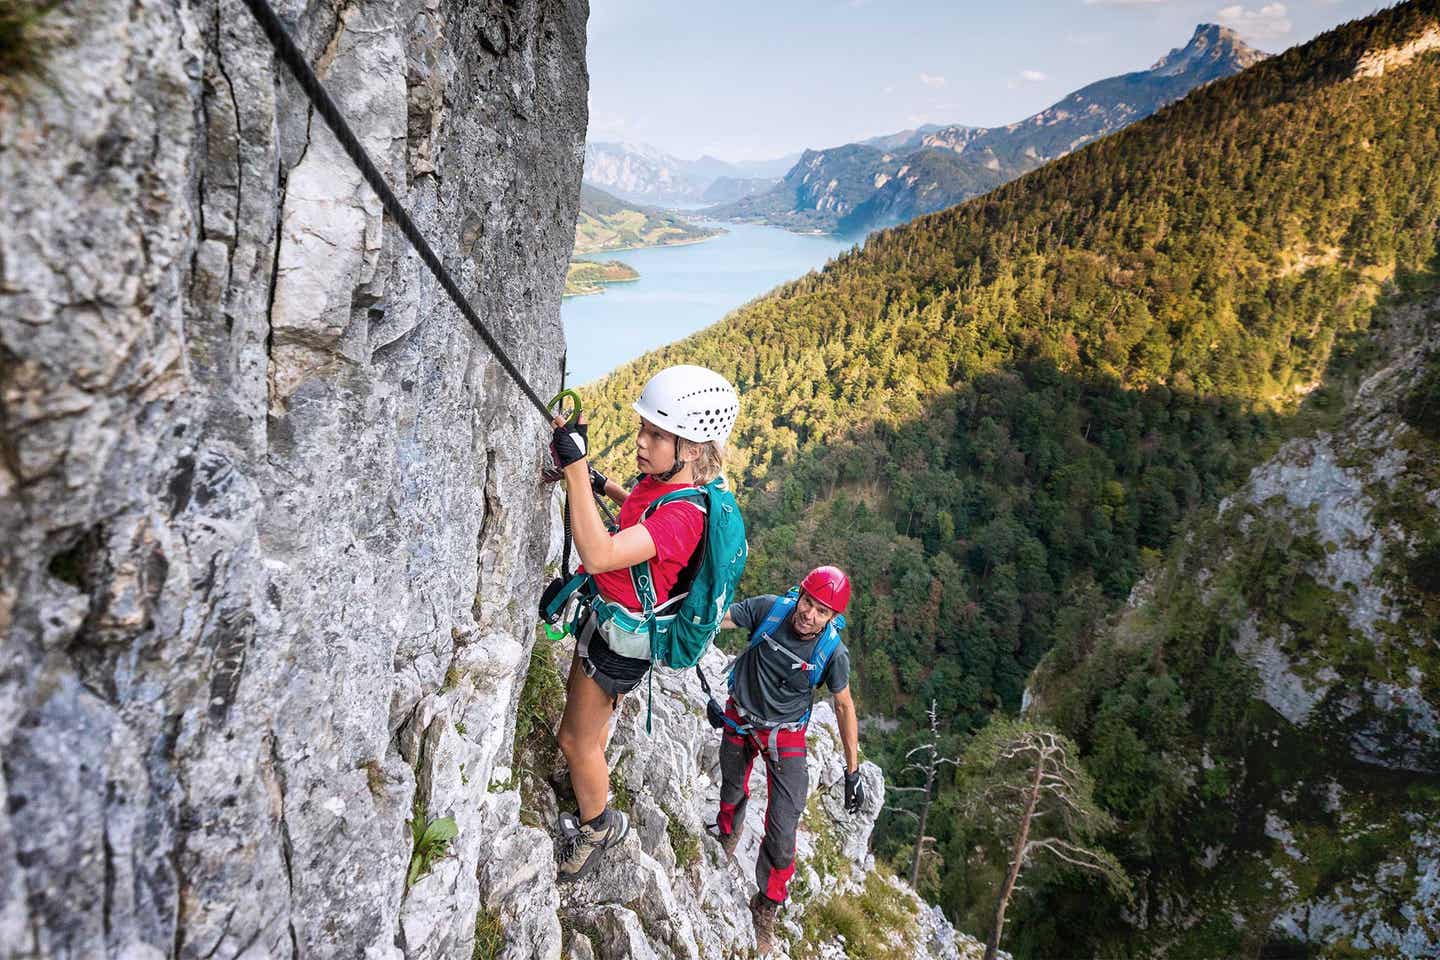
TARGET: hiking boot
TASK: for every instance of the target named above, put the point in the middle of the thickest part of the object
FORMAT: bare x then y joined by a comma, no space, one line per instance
728,841
583,844
763,911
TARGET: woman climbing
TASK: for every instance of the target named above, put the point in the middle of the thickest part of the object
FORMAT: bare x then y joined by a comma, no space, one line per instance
685,414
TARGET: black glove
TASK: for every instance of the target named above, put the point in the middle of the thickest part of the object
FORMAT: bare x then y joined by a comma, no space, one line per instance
551,592
714,714
598,481
854,791
568,444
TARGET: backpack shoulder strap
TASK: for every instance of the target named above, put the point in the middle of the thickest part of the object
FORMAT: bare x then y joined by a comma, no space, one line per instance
825,648
640,576
696,495
779,610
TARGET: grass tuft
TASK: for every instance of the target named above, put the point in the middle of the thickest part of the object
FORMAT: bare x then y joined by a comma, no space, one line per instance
685,844
24,44
878,923
489,935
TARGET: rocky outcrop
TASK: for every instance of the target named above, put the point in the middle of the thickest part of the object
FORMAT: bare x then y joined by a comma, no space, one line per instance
1377,62
670,891
270,531
1355,500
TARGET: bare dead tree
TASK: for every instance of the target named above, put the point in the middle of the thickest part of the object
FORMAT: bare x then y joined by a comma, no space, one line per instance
924,761
1028,784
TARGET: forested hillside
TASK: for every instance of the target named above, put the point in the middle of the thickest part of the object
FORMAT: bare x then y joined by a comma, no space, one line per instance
1264,717
608,223
998,415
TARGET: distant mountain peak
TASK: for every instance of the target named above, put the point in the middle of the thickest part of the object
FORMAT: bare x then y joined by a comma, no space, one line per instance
1211,43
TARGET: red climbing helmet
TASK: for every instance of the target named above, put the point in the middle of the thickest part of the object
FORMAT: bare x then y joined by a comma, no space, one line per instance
829,585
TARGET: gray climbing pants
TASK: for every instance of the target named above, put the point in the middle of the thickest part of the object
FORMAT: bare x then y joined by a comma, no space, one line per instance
788,779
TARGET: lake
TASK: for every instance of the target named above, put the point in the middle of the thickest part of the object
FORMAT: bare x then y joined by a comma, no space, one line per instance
682,289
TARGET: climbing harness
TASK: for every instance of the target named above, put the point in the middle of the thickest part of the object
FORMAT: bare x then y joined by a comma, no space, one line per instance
291,56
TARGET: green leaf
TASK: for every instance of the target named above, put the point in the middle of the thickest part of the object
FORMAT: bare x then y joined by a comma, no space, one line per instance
439,833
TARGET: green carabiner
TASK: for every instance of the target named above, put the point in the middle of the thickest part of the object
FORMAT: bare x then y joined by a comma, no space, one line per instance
558,401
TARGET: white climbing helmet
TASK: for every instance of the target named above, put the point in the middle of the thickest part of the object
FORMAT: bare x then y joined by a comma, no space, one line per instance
691,402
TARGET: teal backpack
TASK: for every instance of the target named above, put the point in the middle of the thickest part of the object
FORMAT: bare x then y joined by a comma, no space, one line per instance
681,630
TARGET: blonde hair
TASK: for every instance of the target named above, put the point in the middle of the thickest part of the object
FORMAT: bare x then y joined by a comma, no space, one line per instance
707,459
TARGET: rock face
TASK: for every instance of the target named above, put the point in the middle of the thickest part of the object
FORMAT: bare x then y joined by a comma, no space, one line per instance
1363,495
270,526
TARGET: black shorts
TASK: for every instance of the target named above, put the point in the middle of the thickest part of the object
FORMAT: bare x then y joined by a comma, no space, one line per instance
615,674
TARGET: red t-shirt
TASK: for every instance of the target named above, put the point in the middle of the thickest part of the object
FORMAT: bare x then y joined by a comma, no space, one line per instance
676,529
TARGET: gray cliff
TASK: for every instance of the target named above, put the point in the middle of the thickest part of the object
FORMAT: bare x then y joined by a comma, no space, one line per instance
270,527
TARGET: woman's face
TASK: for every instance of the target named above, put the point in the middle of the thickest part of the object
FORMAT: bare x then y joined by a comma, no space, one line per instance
654,448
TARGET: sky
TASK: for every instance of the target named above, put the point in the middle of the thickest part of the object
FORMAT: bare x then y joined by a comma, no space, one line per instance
752,80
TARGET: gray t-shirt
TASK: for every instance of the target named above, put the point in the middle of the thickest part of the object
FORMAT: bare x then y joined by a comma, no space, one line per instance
767,688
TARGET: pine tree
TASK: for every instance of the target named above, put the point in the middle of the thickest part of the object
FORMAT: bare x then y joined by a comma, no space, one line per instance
1027,785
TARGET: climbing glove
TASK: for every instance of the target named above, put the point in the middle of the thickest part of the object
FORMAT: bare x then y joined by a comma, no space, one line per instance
547,597
714,714
598,481
568,444
854,791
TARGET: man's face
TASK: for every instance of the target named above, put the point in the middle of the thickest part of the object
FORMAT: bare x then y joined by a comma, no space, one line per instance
811,615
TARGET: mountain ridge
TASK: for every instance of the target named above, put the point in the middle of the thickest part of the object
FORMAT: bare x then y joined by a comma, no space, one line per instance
642,173
906,184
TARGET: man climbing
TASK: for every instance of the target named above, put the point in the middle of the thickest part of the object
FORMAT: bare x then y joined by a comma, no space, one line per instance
794,647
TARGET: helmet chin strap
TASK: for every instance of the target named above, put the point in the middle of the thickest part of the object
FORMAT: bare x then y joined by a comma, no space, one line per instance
679,465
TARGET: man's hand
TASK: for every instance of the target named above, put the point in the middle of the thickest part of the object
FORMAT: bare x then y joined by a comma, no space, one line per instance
854,791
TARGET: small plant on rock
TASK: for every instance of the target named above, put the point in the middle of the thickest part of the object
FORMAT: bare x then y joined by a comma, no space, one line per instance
431,841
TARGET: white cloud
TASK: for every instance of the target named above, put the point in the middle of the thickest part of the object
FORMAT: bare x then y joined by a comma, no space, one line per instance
1270,22
1034,76
931,80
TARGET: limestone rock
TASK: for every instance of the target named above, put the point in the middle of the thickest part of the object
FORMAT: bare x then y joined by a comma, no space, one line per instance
271,531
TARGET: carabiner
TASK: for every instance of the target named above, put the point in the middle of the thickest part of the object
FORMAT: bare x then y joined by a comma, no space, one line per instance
559,401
